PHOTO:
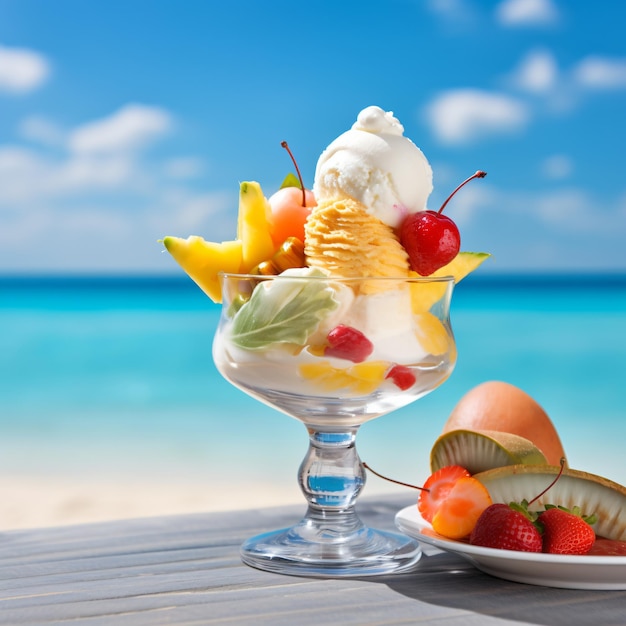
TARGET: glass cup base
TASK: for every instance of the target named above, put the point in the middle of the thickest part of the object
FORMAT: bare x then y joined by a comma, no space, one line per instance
366,552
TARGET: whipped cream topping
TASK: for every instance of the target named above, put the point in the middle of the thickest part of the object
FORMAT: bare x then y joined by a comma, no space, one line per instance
374,120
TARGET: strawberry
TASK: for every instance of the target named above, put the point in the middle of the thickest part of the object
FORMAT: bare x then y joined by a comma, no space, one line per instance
458,513
436,489
508,528
402,376
608,547
345,342
566,532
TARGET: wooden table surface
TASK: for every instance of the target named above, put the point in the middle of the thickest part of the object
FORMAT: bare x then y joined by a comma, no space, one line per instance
186,570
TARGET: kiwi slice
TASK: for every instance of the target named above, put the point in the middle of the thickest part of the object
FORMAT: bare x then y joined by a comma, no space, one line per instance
481,450
593,494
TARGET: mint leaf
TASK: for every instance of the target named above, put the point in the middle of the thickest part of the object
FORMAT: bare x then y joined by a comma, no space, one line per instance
291,180
282,311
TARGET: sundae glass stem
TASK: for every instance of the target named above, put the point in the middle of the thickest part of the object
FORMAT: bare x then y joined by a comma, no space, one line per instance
331,477
331,539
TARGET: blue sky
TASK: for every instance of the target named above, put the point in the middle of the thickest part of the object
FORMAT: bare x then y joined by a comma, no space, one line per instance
123,121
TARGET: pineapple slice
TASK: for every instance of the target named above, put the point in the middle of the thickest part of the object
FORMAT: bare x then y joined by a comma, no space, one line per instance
254,226
424,295
204,260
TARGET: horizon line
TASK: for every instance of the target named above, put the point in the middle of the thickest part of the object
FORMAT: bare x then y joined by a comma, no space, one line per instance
514,276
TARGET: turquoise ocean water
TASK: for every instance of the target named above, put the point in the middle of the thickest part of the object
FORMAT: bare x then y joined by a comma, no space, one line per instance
107,376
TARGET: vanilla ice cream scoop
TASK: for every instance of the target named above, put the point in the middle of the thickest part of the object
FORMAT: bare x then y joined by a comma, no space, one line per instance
375,164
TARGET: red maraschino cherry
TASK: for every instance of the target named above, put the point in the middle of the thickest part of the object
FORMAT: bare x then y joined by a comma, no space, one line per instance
430,238
290,208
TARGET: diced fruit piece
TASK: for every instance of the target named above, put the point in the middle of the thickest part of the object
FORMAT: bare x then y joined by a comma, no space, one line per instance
431,333
425,294
564,532
500,526
254,226
458,513
368,376
402,376
436,489
324,374
363,378
349,343
481,450
204,260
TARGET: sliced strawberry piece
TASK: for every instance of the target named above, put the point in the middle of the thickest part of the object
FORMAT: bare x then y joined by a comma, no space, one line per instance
608,547
565,532
438,486
500,526
345,342
402,376
458,513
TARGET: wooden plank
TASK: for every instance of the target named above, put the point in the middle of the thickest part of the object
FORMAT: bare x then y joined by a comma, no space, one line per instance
185,570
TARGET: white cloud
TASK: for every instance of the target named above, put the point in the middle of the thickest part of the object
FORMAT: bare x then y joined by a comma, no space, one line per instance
27,176
526,13
184,167
22,70
568,209
557,167
463,115
93,173
91,204
110,235
95,157
129,128
22,174
86,212
193,211
41,130
596,72
555,211
537,73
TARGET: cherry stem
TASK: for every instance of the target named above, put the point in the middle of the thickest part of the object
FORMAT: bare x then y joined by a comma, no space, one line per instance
391,480
286,146
562,463
478,174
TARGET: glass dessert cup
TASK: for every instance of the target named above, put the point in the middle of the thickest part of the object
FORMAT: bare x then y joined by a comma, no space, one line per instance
333,353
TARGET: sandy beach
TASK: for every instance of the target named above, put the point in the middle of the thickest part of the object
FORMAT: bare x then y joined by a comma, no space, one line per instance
33,502
30,502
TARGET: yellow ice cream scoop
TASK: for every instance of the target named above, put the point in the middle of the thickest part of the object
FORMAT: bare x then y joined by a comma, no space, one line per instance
342,238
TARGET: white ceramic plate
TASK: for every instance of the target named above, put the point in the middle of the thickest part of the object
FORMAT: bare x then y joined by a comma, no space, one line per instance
548,570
